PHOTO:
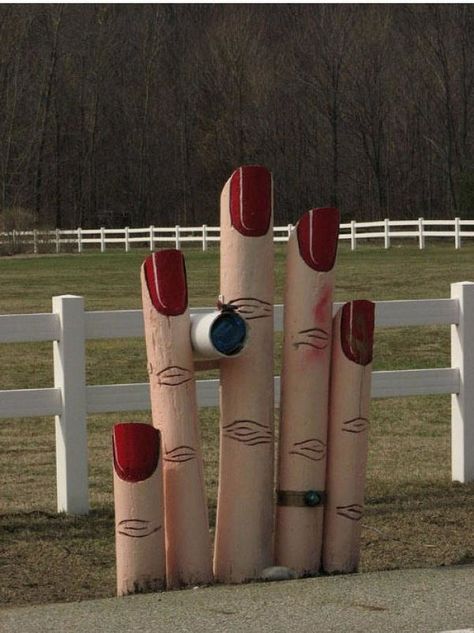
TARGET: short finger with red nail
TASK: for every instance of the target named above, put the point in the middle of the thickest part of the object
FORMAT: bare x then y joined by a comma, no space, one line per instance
138,500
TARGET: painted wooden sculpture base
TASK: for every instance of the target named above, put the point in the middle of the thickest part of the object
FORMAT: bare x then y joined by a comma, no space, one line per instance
320,477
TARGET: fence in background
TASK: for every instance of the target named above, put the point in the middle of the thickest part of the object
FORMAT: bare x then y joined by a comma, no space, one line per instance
68,326
151,237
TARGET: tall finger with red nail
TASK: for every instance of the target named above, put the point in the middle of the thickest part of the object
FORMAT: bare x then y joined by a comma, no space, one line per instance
174,412
311,256
244,529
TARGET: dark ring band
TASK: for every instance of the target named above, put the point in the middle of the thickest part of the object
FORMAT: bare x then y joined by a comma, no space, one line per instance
301,499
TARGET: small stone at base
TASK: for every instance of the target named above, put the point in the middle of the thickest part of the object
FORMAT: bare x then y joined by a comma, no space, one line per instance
278,573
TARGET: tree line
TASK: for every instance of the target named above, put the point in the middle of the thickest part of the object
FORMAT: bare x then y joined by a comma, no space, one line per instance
119,115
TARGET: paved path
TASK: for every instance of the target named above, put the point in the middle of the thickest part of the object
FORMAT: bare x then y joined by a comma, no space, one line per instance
415,601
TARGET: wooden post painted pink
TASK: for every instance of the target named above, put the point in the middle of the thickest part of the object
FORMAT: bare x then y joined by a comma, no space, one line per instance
138,497
174,412
311,256
244,529
351,372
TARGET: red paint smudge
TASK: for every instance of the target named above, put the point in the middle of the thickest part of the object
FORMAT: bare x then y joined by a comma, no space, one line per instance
251,200
322,310
317,232
314,355
165,274
136,449
357,331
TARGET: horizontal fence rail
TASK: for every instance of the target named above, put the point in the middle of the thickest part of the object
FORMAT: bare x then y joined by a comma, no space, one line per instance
151,237
70,400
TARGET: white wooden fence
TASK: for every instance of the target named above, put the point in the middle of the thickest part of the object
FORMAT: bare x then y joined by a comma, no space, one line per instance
70,400
150,237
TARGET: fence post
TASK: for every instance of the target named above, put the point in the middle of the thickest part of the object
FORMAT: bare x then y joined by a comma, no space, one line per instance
457,232
102,239
58,240
353,235
289,228
71,427
386,234
79,240
178,242
127,243
462,403
421,235
204,237
35,241
152,238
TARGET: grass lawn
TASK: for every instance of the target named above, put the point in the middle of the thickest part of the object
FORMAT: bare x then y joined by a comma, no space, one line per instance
415,515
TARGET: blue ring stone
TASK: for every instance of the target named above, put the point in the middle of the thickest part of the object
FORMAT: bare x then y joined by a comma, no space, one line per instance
228,333
312,498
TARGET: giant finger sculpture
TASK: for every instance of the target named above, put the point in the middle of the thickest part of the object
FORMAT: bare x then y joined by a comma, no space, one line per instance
138,496
174,412
348,435
309,285
244,527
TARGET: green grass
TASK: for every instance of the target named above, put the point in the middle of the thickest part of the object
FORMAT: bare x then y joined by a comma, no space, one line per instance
415,515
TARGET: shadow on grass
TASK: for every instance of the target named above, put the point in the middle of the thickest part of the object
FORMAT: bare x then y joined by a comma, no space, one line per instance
47,557
55,558
424,496
52,526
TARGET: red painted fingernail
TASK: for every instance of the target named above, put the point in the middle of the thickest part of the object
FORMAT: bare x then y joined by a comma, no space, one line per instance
357,330
317,233
165,274
251,200
136,449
